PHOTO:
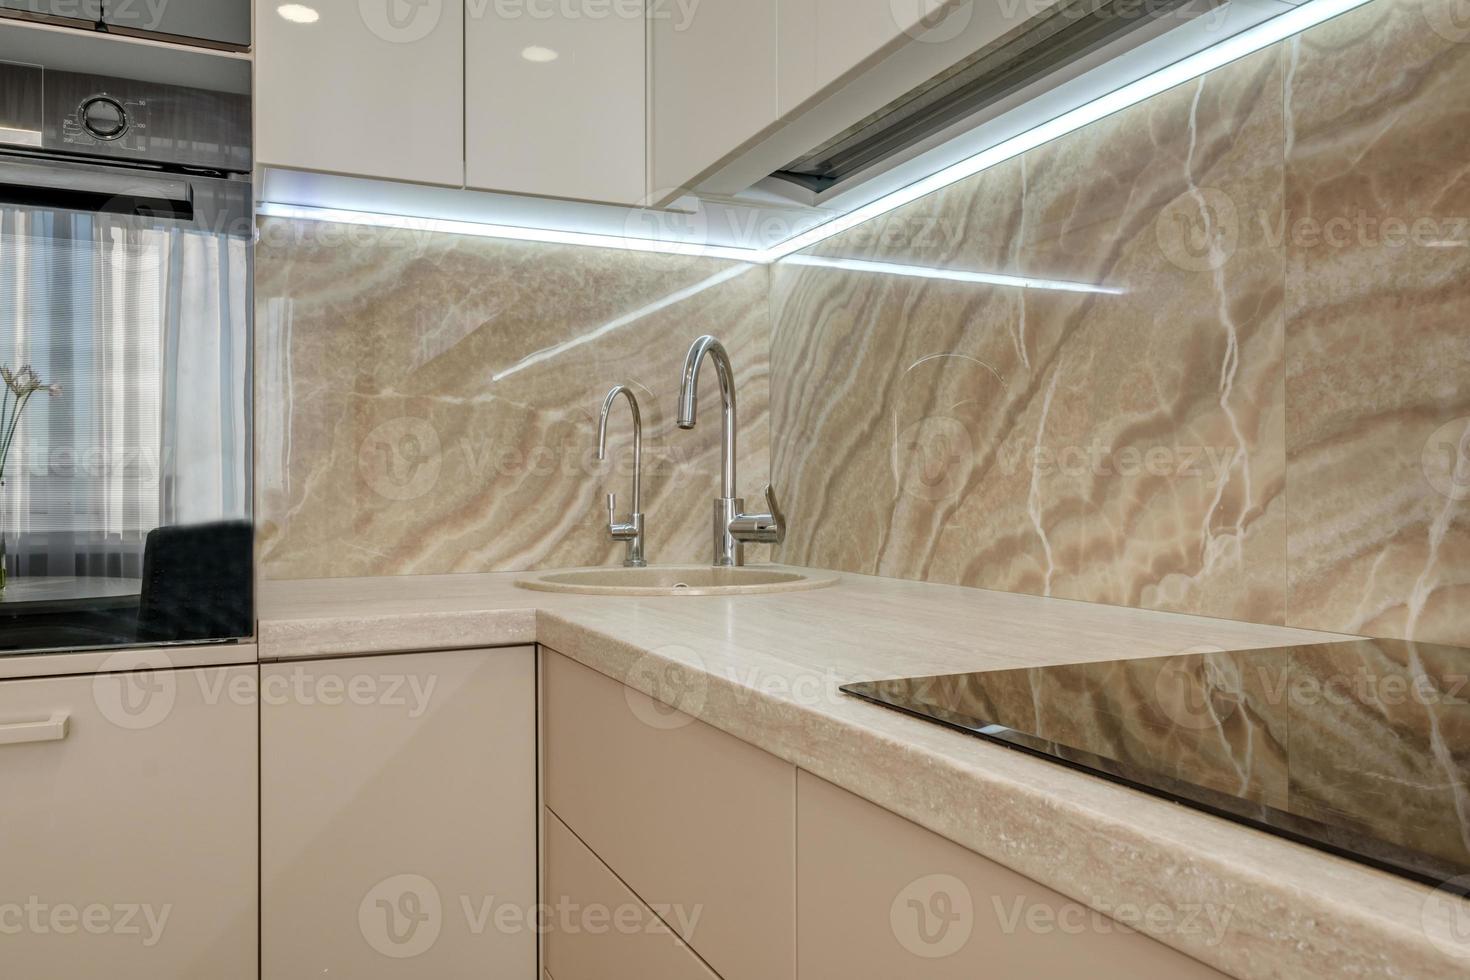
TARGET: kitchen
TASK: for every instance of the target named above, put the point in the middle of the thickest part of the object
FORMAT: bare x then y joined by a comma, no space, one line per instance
1081,390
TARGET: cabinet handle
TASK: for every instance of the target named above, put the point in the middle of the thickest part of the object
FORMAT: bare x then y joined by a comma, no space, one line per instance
53,729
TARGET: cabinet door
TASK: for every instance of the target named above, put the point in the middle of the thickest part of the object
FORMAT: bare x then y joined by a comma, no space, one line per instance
688,816
713,84
555,100
881,897
222,21
822,40
86,10
398,817
372,88
598,929
128,826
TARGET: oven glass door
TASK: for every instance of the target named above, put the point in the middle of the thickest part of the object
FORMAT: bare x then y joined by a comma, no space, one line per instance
125,438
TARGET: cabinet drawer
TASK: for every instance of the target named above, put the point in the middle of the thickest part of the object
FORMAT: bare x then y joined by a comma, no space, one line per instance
882,897
127,826
686,815
598,929
398,816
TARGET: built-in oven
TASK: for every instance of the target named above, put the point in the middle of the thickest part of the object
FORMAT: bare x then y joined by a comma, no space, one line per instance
125,340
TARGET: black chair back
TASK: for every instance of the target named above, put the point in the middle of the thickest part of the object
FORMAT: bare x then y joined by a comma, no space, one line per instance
198,583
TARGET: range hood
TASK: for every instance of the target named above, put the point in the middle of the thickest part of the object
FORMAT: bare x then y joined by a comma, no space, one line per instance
925,106
1055,39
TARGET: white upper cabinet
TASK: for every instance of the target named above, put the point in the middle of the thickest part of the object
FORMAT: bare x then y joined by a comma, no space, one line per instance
555,99
370,88
823,40
713,84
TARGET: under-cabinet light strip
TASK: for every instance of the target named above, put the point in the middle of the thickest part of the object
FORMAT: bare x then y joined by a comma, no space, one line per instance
952,275
1231,49
484,230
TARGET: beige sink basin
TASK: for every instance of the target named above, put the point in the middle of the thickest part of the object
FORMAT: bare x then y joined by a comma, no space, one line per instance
677,580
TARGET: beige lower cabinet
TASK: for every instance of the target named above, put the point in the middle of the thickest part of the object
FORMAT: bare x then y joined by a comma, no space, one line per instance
127,826
398,817
597,929
880,897
693,821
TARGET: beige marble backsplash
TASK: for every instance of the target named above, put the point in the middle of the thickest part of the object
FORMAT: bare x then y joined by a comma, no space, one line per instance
1251,400
1260,411
428,403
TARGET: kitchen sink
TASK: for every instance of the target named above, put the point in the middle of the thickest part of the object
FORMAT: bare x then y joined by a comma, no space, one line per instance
692,580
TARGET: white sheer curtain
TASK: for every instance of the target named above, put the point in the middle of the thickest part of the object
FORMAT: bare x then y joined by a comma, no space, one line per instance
143,325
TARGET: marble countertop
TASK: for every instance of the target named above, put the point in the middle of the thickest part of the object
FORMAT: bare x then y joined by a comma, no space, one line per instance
767,670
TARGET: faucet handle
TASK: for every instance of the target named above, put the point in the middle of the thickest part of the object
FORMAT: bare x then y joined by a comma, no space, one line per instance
778,519
767,528
612,509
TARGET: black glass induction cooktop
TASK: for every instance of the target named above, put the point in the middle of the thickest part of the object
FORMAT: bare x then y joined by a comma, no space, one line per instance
1361,748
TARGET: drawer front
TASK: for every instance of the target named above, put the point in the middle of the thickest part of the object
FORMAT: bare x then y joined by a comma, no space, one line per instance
128,826
882,897
599,930
686,815
398,823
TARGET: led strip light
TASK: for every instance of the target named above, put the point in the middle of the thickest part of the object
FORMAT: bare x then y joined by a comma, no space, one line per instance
1232,49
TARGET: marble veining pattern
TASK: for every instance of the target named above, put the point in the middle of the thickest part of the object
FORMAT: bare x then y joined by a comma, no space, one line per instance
1118,448
1270,421
1378,296
433,399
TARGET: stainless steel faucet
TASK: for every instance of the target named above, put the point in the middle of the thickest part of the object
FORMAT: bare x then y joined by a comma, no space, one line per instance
631,532
732,527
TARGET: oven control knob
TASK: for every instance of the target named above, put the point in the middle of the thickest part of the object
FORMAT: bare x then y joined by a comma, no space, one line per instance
104,118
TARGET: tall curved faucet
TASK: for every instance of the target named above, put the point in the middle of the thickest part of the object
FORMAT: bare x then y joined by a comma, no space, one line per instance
732,527
632,531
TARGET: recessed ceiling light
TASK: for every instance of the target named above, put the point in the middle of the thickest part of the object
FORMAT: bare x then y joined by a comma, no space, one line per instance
298,13
538,54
